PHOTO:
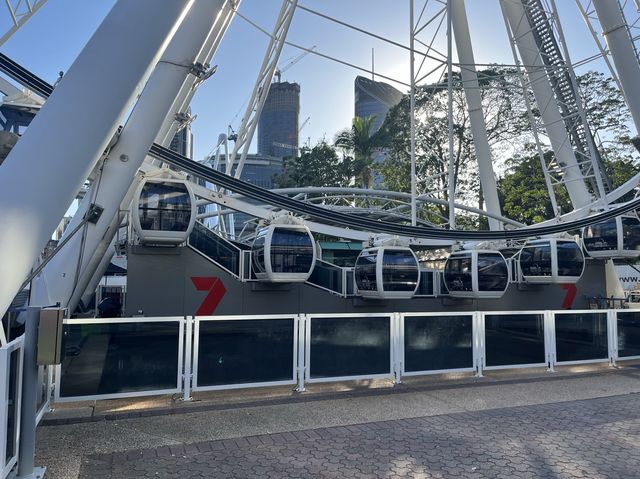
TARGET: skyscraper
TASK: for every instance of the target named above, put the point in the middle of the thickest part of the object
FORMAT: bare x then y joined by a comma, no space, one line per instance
278,123
375,98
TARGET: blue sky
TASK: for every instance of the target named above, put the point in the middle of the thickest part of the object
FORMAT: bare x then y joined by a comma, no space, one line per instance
53,38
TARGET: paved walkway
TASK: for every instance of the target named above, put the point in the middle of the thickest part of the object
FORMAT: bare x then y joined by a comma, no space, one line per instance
585,425
579,439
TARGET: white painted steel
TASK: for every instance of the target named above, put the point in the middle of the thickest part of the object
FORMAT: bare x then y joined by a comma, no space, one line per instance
483,315
77,261
266,317
107,63
616,33
311,317
188,359
300,339
550,340
476,115
156,392
514,12
5,356
478,343
401,342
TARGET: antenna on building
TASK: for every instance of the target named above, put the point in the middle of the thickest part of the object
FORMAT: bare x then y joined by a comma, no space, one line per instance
373,63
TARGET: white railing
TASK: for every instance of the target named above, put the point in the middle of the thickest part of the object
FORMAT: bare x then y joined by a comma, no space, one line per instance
11,363
229,352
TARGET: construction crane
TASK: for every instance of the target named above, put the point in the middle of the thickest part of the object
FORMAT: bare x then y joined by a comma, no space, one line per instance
279,71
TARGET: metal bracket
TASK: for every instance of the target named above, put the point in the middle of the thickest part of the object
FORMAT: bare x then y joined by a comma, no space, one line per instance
94,213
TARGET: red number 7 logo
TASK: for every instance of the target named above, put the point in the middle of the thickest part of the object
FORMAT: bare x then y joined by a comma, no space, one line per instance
216,293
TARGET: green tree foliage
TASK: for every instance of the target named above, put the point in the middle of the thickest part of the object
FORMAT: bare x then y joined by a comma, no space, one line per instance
319,166
361,141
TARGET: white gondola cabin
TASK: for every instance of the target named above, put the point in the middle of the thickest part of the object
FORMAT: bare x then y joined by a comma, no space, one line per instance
614,238
552,260
476,274
166,211
284,253
387,272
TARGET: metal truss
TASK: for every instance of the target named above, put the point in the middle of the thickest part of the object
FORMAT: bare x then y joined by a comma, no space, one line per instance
20,12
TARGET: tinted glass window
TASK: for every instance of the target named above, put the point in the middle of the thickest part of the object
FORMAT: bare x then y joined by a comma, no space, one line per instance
426,283
536,260
512,339
365,271
458,273
399,271
164,207
257,252
291,251
628,333
581,336
570,259
493,274
630,234
601,236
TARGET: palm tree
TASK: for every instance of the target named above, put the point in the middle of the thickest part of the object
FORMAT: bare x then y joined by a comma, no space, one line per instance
362,141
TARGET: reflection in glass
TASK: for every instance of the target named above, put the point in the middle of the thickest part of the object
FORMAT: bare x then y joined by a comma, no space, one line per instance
458,272
601,236
630,234
535,260
352,346
164,206
365,271
399,271
245,351
570,259
514,339
291,251
438,342
215,247
109,358
628,333
581,336
12,405
493,274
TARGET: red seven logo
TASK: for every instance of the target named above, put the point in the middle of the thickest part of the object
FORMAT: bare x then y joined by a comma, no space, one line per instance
216,293
571,290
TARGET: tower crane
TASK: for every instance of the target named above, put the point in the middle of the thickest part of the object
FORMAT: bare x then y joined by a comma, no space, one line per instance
279,71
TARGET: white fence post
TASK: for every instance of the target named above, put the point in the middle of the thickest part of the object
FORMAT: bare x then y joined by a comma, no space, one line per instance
397,343
188,359
301,357
612,332
478,342
550,340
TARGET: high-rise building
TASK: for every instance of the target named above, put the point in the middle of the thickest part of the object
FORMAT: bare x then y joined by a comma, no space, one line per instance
278,123
374,98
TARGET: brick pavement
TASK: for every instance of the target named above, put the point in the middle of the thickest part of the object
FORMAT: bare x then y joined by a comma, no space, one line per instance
579,439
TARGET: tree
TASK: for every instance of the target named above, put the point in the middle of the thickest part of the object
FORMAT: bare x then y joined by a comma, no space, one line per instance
319,166
361,141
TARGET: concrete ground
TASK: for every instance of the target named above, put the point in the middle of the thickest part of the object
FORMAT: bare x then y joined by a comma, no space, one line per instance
579,422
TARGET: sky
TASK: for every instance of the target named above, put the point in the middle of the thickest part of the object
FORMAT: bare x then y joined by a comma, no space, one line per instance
52,39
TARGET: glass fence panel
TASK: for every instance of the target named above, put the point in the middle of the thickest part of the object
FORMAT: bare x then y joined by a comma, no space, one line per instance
628,333
327,276
216,248
245,351
43,386
116,358
349,346
13,405
438,342
513,339
581,336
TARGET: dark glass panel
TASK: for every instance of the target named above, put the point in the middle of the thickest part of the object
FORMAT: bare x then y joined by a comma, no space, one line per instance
349,346
630,234
581,336
493,274
535,260
570,259
513,339
438,342
426,283
327,276
601,236
291,251
215,247
12,405
628,333
245,351
115,358
164,206
399,271
365,271
458,273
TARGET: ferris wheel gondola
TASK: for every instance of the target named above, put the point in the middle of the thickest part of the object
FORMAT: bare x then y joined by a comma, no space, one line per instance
551,260
476,274
387,272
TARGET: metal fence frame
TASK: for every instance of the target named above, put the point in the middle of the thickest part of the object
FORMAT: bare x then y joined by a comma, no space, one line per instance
613,327
135,320
196,347
5,357
553,344
401,347
308,318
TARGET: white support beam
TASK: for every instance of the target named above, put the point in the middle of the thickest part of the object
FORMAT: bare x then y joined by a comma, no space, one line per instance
55,164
